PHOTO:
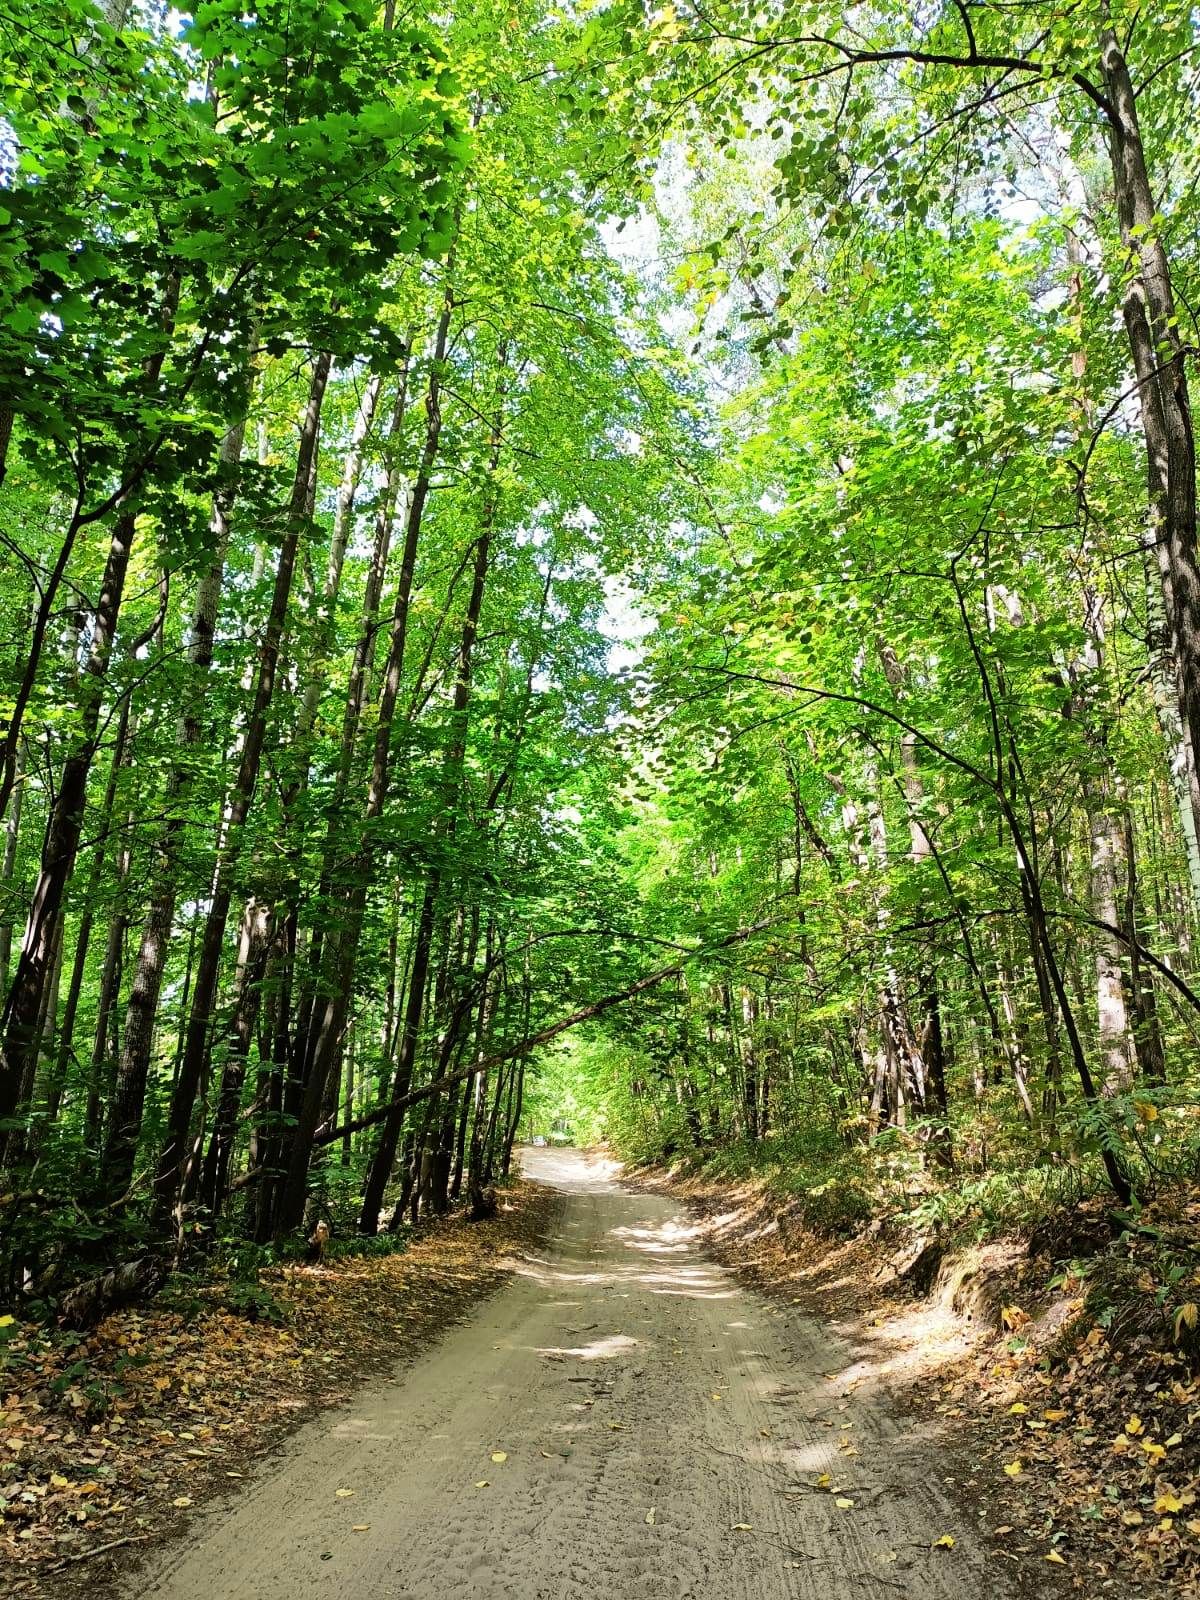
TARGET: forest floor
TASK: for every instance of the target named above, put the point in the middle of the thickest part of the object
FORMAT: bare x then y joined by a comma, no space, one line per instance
625,1416
624,1420
1083,1432
111,1441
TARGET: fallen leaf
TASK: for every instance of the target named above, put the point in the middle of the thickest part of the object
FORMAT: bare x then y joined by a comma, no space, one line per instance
743,1527
361,1527
343,1494
499,1455
1168,1502
182,1500
946,1542
1013,1469
650,1517
1017,1410
481,1483
1056,1558
843,1504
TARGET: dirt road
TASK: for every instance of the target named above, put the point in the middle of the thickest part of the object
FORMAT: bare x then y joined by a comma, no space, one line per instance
664,1431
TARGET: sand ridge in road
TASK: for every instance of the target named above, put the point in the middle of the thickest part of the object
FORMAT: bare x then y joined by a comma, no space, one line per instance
622,1421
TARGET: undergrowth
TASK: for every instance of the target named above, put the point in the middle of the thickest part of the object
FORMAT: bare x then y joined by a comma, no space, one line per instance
901,1181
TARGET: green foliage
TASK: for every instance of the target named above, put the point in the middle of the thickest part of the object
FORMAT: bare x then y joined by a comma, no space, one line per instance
713,578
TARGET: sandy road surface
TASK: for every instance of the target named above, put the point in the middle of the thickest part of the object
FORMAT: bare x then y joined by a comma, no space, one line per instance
620,1373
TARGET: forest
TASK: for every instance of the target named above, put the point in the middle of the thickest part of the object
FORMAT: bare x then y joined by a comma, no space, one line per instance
597,556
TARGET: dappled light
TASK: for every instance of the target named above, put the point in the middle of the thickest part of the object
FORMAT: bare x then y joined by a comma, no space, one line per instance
600,649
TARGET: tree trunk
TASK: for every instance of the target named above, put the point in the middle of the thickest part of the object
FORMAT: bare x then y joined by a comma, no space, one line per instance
329,1008
23,1004
193,1066
1159,363
129,1095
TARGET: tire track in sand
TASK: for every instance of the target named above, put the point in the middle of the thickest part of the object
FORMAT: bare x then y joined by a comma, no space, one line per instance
622,1373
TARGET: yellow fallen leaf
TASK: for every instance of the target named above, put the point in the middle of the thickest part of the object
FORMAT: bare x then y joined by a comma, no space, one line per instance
1155,1451
1120,1444
57,1481
1017,1410
7,1322
716,1396
1168,1502
1146,1111
1134,1426
843,1504
182,1500
481,1483
824,1481
343,1494
946,1542
1054,1415
499,1455
1014,1469
1056,1558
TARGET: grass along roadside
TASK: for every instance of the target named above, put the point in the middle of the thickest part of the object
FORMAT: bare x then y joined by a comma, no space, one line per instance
109,1439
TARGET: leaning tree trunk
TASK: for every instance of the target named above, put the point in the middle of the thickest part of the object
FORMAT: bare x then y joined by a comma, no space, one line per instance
24,1001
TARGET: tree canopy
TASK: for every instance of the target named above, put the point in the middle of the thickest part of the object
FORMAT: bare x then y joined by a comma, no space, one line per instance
626,565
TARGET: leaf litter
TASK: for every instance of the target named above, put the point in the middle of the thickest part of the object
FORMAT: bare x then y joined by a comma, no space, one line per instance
108,1439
